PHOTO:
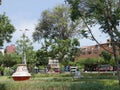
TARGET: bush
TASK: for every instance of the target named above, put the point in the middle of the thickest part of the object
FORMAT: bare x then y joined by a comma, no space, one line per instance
7,71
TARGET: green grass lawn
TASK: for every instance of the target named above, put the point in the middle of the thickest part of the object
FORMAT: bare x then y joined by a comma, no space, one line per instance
89,81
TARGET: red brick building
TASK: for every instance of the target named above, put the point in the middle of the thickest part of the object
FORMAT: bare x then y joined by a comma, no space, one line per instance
94,51
10,49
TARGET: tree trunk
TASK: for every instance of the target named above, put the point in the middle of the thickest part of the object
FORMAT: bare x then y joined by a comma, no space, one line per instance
116,58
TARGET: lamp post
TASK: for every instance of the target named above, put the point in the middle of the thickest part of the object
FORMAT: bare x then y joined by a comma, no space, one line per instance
22,71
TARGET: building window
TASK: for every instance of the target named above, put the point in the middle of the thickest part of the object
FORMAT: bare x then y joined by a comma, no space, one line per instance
83,51
89,52
96,49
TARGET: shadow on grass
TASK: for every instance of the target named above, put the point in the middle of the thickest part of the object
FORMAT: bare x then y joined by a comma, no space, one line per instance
86,86
2,86
92,86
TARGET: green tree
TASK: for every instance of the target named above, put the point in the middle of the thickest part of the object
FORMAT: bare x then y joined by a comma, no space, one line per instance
105,13
55,23
106,56
64,50
57,32
25,48
1,58
6,29
41,57
9,60
89,64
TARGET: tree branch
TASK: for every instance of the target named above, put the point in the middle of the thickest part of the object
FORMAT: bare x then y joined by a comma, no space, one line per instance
94,37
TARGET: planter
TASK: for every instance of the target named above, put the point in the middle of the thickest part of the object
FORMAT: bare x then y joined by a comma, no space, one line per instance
21,73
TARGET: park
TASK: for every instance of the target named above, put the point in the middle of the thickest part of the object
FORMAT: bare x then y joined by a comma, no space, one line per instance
63,81
51,51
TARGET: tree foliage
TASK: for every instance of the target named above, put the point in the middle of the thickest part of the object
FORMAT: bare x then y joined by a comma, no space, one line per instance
89,64
9,60
24,45
55,23
105,13
106,56
41,57
64,49
6,29
88,61
58,33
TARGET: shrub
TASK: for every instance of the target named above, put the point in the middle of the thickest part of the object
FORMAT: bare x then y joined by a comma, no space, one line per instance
7,71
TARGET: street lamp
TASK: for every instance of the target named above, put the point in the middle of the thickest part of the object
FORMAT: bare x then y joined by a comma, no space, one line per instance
22,71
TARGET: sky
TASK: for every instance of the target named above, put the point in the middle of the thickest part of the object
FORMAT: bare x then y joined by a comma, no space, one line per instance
24,14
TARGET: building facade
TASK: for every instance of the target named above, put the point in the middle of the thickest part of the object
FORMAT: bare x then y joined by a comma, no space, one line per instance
53,63
10,49
95,51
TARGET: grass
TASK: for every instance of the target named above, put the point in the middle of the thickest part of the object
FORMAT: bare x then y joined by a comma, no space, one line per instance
90,81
